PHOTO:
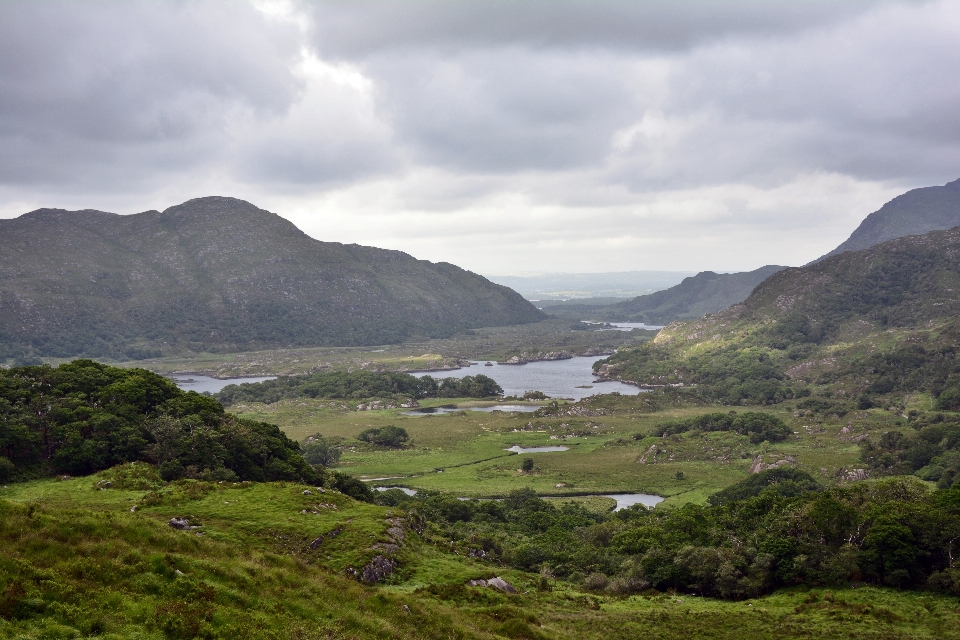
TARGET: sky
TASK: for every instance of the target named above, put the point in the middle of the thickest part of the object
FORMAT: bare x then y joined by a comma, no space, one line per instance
503,136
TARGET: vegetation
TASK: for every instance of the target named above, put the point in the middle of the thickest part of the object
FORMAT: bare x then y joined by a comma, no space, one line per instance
759,427
218,274
388,436
864,323
360,385
931,450
84,416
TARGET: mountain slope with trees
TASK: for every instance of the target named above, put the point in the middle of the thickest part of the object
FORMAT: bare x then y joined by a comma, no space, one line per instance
872,322
916,212
220,274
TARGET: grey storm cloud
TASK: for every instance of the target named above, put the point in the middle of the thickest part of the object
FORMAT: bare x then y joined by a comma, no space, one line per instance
539,129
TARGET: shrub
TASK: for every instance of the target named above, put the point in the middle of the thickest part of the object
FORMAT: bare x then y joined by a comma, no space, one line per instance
317,450
389,436
7,469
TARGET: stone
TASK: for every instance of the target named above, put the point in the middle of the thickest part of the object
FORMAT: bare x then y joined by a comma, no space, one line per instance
182,524
377,569
501,584
307,492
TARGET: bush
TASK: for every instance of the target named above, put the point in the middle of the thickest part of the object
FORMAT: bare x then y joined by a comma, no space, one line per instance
784,481
317,450
7,469
389,436
527,464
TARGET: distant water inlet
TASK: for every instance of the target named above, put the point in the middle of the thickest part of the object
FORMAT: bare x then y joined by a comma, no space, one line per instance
518,449
200,384
452,408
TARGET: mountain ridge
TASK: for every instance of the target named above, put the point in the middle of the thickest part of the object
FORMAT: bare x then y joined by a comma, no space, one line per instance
220,273
915,212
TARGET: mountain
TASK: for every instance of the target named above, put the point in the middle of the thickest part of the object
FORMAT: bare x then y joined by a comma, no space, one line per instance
220,274
880,320
914,213
706,292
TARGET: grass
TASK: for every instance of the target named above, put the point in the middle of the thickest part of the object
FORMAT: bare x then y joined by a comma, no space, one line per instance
603,456
76,562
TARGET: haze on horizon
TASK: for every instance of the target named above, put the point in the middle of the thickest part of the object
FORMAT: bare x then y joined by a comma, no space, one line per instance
530,136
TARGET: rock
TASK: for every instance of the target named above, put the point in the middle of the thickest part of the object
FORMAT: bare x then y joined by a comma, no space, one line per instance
133,509
182,524
501,584
377,569
852,475
405,609
514,360
63,478
331,534
307,492
845,430
178,572
652,451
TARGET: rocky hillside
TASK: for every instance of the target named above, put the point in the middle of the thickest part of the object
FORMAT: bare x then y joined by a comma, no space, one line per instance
219,274
914,213
888,313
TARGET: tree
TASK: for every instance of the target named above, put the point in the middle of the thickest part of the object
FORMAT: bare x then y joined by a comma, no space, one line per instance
527,464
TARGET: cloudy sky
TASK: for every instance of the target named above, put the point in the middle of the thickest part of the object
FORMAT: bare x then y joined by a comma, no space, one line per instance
520,136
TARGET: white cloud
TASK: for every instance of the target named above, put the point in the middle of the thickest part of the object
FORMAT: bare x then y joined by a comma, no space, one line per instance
529,135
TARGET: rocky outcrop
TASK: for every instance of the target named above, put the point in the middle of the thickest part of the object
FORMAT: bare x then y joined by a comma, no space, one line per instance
778,461
182,524
493,583
377,570
652,451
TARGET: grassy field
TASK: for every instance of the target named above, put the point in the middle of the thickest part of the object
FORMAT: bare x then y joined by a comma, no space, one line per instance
464,452
489,343
77,563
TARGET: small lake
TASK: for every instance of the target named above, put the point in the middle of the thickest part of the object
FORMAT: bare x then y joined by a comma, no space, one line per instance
630,326
213,385
624,500
452,408
571,378
409,492
518,449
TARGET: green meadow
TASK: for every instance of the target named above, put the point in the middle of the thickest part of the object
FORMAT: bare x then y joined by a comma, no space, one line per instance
83,562
608,452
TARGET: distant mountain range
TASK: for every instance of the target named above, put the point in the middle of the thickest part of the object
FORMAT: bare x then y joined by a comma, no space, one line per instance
916,212
220,274
885,314
706,292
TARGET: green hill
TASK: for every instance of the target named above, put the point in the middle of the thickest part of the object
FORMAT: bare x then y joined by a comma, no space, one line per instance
877,321
220,274
914,213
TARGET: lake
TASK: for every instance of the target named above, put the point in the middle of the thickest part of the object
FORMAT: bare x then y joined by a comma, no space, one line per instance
571,378
452,408
518,449
212,385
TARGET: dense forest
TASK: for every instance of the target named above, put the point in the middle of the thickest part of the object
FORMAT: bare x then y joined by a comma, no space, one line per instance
775,529
359,385
84,416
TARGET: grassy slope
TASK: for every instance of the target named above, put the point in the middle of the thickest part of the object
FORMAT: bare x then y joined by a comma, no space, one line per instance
76,563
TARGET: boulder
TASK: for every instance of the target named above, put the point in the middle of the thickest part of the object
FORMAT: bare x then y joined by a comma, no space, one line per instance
182,524
377,569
